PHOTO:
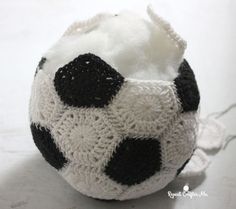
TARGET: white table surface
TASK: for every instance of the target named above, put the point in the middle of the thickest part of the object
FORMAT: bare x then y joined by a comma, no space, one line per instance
29,27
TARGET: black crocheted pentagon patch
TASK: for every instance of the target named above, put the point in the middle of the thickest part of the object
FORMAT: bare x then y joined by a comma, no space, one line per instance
45,143
87,81
40,65
134,161
182,167
187,88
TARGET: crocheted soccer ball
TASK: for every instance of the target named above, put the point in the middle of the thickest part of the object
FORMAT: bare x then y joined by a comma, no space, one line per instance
113,106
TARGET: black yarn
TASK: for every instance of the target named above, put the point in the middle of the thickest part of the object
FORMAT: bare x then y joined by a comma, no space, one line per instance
134,161
45,143
87,81
187,88
40,65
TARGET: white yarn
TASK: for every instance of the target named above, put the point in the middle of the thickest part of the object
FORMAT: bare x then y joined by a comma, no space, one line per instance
153,106
148,56
212,135
45,108
167,27
87,24
88,137
197,165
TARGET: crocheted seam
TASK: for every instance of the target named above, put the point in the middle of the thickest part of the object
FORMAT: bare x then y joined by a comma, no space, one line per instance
87,81
187,88
45,143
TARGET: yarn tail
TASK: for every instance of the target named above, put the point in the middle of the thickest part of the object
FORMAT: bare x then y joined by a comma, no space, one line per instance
212,135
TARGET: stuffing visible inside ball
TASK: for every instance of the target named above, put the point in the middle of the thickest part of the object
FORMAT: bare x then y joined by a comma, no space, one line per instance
113,106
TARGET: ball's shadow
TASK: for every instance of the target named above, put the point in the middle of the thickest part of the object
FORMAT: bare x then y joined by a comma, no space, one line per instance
34,184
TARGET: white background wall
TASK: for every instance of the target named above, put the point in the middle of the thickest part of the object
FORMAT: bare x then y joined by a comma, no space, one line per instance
30,27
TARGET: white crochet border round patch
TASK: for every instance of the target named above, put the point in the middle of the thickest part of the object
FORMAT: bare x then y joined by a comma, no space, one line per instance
116,114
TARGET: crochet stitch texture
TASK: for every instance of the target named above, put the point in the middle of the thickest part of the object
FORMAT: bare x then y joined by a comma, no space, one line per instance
110,134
